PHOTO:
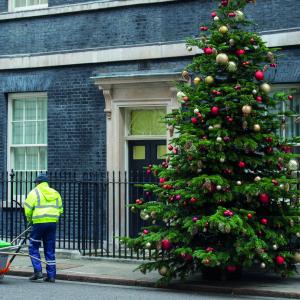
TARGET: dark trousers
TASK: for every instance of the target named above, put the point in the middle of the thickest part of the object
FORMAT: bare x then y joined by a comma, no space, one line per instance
46,233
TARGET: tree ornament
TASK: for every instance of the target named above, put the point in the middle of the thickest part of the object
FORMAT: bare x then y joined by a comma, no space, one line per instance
249,216
209,80
242,164
138,201
231,269
216,19
232,67
185,74
297,257
263,265
298,234
257,179
264,221
219,187
197,80
254,92
222,59
290,97
145,231
213,14
163,271
153,214
214,110
223,29
189,48
293,165
239,16
208,51
280,260
246,109
264,198
259,75
240,52
259,99
239,182
231,42
256,127
148,245
196,111
232,14
219,139
180,95
275,247
266,88
210,128
144,215
222,160
166,244
194,120
203,28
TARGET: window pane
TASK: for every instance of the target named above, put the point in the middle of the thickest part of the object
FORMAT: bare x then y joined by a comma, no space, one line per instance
139,152
30,132
19,159
147,122
44,1
30,109
18,110
17,132
161,151
42,132
33,2
42,108
292,128
20,3
43,158
32,158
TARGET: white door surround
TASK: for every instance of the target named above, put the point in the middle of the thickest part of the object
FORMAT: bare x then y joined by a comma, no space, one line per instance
123,92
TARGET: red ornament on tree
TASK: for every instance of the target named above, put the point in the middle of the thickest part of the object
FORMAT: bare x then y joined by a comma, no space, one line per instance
264,221
231,269
259,99
237,87
194,120
203,28
259,75
208,50
232,14
240,52
138,201
162,180
249,216
275,182
170,147
166,244
242,164
215,110
280,260
290,97
193,200
264,198
145,231
213,14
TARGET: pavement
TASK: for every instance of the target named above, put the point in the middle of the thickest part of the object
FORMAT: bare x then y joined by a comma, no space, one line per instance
74,267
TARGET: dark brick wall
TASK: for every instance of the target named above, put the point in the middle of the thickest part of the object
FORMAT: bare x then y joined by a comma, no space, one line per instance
130,25
3,5
76,121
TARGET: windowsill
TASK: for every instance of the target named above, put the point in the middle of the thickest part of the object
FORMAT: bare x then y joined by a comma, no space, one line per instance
28,8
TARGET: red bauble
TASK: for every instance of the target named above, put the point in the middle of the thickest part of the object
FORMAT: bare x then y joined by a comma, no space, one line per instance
215,110
242,164
259,75
203,28
259,99
264,221
273,65
195,219
249,216
269,150
193,200
231,14
269,139
229,119
194,120
240,52
162,180
208,50
275,182
185,98
186,257
213,14
231,269
237,87
166,244
290,97
148,171
138,201
210,249
264,198
170,147
280,260
252,41
246,63
145,231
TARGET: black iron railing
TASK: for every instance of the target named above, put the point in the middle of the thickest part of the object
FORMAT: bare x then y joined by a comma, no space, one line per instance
96,212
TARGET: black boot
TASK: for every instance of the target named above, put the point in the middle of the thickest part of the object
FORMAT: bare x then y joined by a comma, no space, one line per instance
37,276
47,279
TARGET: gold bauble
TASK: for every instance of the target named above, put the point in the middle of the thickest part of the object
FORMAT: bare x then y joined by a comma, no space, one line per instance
246,109
239,15
197,80
163,271
266,88
209,80
223,29
222,59
185,74
297,257
133,209
256,127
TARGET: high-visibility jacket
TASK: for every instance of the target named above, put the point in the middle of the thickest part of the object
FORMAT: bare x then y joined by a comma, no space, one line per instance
43,204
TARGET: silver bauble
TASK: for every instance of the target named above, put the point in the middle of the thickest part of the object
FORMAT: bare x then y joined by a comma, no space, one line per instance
263,265
210,128
144,215
257,179
180,96
254,92
231,42
239,15
219,139
231,67
216,18
196,110
239,183
293,165
222,159
219,187
148,245
275,247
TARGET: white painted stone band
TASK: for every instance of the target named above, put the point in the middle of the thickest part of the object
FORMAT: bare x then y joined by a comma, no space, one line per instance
72,8
138,52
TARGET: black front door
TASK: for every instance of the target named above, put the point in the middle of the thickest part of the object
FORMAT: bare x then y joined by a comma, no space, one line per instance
141,155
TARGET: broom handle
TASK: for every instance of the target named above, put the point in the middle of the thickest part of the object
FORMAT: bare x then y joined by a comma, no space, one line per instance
23,254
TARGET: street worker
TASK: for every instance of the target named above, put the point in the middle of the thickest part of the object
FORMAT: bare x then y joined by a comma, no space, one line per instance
43,206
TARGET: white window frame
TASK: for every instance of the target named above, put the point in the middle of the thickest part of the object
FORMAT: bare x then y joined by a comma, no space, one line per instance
12,8
10,147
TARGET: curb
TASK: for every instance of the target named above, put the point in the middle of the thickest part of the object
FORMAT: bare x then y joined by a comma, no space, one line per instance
172,286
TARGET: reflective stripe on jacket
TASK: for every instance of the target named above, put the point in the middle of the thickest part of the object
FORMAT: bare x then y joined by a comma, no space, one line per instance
43,204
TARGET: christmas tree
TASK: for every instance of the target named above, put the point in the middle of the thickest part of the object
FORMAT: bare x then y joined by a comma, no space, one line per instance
227,196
